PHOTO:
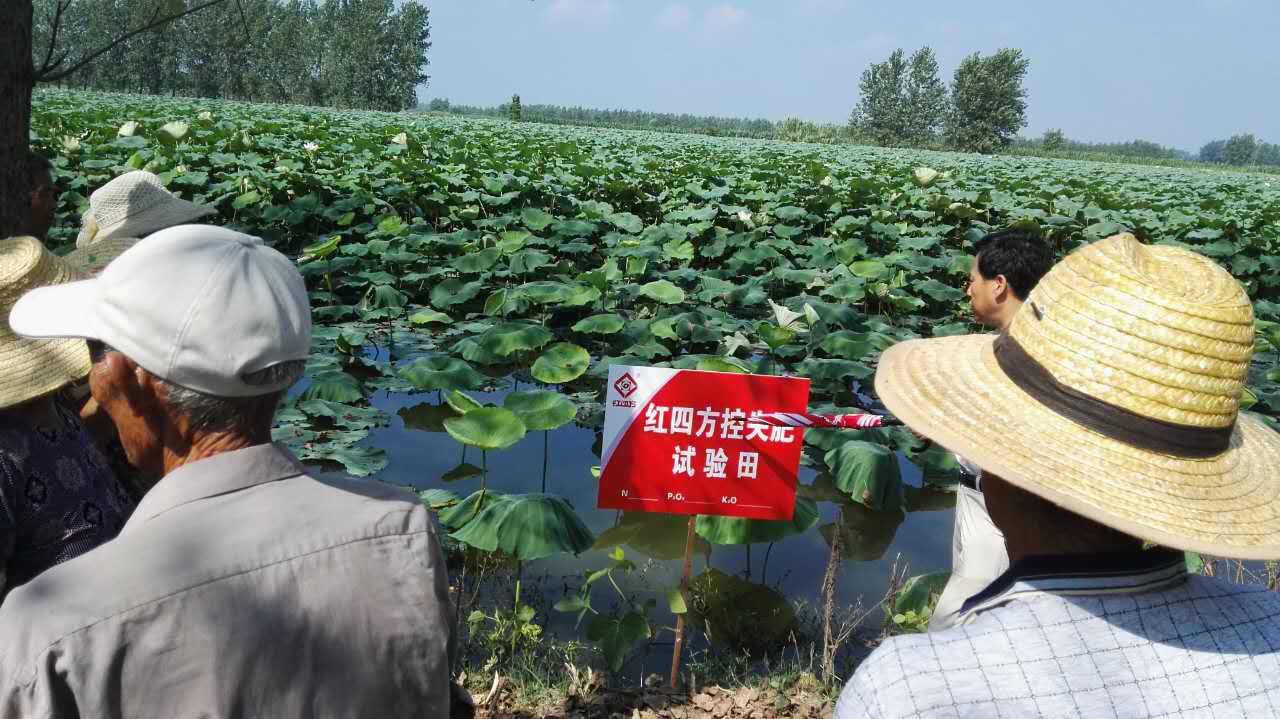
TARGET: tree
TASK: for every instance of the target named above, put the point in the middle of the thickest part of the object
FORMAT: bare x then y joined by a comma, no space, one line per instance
513,108
1268,154
924,100
988,101
1239,150
1053,140
19,73
881,113
1212,151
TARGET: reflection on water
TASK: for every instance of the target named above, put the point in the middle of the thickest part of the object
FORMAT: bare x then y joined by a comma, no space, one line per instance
423,455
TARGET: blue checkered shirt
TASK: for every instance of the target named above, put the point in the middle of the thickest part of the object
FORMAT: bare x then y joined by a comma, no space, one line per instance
1102,636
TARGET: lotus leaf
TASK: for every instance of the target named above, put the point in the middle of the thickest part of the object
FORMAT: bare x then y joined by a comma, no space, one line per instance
663,291
460,514
660,536
561,362
540,409
174,132
426,317
736,530
536,219
925,176
454,292
869,473
442,373
461,472
773,335
527,527
508,338
426,417
738,614
461,402
920,592
436,499
600,325
937,465
487,428
722,364
865,534
477,261
334,385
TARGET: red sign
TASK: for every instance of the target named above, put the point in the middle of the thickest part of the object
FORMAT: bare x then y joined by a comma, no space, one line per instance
680,441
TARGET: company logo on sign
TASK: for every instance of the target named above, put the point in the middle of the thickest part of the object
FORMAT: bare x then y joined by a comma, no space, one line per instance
626,385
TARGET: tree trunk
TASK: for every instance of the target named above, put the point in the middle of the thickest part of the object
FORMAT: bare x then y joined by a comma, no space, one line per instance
15,111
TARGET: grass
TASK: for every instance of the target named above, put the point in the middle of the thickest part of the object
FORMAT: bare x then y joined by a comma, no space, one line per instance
550,676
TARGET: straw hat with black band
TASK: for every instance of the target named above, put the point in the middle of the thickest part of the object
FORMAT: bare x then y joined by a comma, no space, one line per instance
31,368
133,205
1118,386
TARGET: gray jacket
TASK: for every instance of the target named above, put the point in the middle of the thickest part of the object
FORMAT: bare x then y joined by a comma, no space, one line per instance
241,587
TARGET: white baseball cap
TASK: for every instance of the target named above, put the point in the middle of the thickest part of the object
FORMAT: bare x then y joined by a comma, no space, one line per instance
195,305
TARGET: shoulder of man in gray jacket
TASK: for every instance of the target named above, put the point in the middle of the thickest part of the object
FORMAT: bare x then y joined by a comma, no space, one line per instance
241,581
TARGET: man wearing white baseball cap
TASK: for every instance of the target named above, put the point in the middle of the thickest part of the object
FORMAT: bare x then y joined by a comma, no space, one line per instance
240,586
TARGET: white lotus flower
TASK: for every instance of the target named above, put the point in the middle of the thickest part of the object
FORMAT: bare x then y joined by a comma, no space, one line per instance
310,146
744,215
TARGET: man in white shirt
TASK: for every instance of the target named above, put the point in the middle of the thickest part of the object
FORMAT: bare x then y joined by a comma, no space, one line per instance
1006,267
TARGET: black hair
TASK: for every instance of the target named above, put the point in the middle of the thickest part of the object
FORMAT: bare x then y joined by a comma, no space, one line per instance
1022,256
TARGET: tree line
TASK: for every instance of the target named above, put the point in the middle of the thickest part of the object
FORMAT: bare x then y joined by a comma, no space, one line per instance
368,54
625,119
1241,150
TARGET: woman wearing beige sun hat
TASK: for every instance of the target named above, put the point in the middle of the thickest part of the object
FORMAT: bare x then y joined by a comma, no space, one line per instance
134,205
1106,421
58,494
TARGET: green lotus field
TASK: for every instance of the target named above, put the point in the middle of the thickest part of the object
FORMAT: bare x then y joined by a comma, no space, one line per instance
473,280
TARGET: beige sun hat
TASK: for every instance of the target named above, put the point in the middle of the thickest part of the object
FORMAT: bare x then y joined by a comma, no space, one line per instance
134,204
1118,386
33,368
94,257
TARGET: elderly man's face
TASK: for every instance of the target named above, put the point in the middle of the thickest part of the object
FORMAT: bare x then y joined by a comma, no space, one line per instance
127,394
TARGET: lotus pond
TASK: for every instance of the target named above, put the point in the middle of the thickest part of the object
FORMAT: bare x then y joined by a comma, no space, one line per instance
473,280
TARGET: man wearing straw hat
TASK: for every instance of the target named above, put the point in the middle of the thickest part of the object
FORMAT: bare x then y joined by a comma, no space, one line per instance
1006,267
240,586
58,496
131,206
1107,424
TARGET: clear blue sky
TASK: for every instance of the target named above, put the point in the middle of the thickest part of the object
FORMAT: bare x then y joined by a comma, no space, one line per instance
1179,72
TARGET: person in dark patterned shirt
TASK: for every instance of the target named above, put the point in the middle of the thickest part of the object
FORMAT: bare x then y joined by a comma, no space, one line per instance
58,495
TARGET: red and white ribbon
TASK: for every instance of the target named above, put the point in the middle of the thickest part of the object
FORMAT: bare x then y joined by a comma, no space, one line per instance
822,421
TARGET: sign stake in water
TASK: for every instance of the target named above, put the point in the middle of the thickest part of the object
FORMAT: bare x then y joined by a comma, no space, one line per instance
706,443
684,593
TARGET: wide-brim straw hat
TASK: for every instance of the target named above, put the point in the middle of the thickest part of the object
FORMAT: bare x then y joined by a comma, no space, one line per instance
33,368
1115,395
135,204
93,258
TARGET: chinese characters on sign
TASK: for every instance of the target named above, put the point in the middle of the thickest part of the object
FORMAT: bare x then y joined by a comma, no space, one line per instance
682,441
